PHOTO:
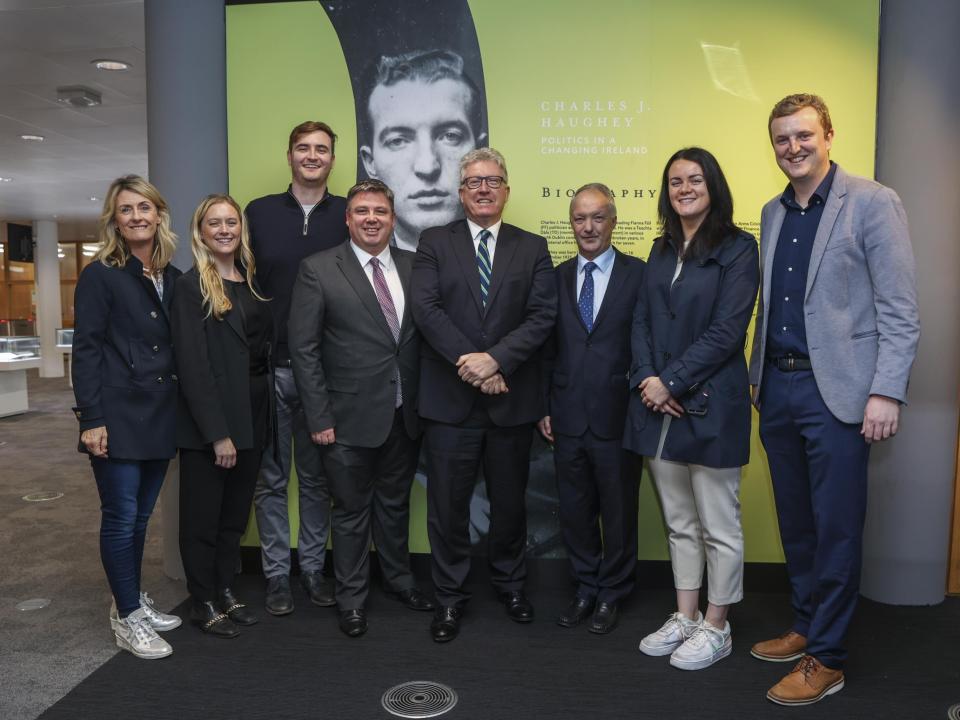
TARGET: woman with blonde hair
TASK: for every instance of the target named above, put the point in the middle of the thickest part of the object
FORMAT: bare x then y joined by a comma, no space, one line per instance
222,332
126,389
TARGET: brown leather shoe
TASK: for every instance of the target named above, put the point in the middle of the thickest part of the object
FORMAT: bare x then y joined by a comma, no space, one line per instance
787,647
809,682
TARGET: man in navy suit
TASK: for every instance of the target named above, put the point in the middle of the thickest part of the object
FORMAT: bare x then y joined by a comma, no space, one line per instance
836,334
586,403
484,299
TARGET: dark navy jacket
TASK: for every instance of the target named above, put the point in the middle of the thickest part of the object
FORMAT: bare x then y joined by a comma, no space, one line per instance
692,336
586,376
123,367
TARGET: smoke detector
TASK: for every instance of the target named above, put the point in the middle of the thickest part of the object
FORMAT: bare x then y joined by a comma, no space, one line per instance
78,96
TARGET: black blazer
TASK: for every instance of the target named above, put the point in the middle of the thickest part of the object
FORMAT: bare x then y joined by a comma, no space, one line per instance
123,368
587,372
520,312
692,334
344,356
213,360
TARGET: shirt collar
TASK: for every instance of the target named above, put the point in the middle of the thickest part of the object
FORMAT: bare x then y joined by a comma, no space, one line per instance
385,258
475,229
603,261
789,197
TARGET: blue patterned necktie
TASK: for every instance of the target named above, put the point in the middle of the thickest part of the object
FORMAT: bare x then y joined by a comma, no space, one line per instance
484,266
586,296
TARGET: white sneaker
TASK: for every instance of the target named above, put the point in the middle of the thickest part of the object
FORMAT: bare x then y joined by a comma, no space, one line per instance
135,635
705,647
161,622
672,634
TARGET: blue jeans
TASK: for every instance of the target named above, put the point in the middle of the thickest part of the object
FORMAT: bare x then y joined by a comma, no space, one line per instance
128,492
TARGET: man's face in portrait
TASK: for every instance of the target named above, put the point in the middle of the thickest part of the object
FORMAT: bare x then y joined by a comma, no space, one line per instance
420,132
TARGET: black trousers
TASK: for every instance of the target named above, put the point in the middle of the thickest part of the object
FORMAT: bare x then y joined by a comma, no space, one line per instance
454,455
597,484
370,488
214,509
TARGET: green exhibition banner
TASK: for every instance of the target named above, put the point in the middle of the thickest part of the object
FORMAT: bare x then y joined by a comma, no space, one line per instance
570,93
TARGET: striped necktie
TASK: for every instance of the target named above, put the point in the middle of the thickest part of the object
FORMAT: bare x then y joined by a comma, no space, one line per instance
484,266
389,310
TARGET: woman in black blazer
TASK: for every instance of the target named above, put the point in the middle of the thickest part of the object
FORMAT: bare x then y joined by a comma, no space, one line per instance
222,330
126,392
690,413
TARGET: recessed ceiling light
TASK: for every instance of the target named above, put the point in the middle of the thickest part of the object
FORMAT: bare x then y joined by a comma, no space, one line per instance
107,64
32,138
94,199
6,179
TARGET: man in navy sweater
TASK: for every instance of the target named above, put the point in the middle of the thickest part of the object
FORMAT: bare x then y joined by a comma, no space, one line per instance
284,229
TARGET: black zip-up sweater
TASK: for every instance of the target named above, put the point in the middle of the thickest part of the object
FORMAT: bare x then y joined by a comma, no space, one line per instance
282,235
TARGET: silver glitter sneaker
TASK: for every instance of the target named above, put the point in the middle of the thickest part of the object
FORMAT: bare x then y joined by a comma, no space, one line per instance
161,622
134,634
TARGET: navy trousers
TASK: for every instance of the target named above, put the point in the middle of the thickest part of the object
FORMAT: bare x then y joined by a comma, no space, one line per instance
819,470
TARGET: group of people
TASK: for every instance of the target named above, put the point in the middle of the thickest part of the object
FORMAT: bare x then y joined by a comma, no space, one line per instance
304,330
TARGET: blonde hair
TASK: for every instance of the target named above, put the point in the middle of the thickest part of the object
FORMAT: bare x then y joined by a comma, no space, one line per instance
113,250
212,289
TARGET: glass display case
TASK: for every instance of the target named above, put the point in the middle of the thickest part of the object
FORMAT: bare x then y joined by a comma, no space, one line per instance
64,338
18,353
19,347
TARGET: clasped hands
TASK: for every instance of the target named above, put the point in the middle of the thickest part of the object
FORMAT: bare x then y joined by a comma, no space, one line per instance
482,371
655,396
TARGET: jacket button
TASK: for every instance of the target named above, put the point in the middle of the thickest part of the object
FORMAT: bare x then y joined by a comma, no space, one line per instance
173,377
156,348
160,379
153,313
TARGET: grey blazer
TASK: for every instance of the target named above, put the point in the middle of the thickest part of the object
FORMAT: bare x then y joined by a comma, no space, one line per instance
860,306
343,354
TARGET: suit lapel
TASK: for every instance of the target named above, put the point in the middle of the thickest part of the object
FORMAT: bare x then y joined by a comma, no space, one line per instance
404,270
831,210
462,244
772,236
568,279
502,260
618,273
235,320
357,277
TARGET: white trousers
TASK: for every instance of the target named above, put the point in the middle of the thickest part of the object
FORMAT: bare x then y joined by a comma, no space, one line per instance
701,509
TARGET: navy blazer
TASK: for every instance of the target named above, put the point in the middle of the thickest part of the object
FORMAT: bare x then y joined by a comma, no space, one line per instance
214,363
691,334
123,368
518,318
586,373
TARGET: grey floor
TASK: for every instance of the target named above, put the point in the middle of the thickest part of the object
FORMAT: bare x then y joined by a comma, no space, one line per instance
50,550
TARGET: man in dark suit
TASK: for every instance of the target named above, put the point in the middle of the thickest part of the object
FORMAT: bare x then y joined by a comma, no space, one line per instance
837,332
355,356
588,361
484,300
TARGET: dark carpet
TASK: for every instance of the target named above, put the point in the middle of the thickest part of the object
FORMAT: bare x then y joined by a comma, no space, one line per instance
905,663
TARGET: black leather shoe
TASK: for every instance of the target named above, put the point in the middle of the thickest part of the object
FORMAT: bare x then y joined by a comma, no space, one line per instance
605,618
518,607
353,623
446,623
576,612
319,588
236,610
279,598
414,599
207,616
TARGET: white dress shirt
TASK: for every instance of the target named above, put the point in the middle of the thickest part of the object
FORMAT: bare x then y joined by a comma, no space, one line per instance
390,274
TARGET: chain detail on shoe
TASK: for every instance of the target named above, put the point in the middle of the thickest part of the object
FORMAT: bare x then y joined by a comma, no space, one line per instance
214,620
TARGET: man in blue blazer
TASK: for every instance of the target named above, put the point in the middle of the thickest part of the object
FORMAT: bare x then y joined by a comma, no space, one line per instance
484,299
836,334
588,363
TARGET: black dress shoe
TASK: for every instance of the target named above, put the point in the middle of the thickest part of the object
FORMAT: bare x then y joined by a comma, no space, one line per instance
208,617
414,599
446,623
576,612
279,598
319,588
518,607
605,618
236,610
353,623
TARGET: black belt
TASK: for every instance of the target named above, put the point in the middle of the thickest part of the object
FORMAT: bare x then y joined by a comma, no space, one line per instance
790,363
284,363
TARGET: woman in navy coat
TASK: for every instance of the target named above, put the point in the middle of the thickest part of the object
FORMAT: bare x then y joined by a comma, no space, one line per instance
690,411
126,391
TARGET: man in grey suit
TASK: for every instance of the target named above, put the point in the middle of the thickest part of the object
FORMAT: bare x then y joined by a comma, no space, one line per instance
355,355
836,334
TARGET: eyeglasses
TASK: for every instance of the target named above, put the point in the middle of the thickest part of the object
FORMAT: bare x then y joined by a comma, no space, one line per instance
492,181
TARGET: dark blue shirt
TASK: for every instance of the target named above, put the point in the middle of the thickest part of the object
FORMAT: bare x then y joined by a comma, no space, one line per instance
786,332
